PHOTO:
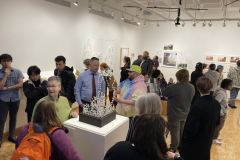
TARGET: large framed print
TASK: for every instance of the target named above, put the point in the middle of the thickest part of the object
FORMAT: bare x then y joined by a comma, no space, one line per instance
170,59
124,53
209,58
233,59
221,59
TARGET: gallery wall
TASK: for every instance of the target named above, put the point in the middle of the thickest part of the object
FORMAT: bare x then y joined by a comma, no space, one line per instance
194,42
34,32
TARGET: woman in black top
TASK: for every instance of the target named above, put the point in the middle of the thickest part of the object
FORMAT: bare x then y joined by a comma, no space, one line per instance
194,76
34,89
149,141
124,71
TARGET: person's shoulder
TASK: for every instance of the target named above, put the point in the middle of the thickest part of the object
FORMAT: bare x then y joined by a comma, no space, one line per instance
62,98
26,82
122,144
17,70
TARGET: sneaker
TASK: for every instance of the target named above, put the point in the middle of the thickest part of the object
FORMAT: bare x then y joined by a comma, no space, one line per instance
219,138
215,141
233,107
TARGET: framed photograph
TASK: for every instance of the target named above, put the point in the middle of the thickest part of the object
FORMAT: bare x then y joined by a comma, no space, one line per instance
230,66
233,59
168,47
182,66
221,59
208,58
123,53
170,59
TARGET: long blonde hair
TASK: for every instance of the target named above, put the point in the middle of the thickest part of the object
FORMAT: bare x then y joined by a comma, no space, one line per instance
149,103
46,116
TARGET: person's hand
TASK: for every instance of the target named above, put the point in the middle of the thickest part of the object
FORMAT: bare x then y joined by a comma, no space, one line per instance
119,100
171,155
74,115
82,105
7,72
171,80
232,100
4,88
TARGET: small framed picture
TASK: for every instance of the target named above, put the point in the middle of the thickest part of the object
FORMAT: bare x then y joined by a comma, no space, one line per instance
221,59
233,59
209,58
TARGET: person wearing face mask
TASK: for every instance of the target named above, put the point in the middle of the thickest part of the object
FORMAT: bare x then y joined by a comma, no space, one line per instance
90,84
129,91
220,71
34,89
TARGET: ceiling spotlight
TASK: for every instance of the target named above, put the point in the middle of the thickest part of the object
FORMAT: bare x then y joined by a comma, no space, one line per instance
122,16
224,24
76,3
204,24
183,24
210,24
113,13
144,24
89,6
158,24
132,20
238,24
194,24
139,22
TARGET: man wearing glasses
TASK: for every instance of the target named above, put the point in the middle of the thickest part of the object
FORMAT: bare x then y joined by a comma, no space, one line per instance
11,80
64,112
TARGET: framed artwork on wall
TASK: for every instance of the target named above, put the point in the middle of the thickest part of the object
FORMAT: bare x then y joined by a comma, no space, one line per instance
168,47
221,59
209,58
170,59
230,66
123,53
233,59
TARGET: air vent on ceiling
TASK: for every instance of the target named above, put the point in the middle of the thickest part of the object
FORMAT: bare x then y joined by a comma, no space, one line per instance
101,13
60,2
147,13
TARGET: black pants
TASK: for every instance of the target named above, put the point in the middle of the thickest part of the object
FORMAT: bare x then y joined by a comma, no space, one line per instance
111,97
29,116
12,107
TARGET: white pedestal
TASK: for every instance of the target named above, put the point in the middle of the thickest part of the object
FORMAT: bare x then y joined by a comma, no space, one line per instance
92,142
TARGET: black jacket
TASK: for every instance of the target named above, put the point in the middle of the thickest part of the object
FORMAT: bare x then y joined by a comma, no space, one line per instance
137,62
33,93
124,74
147,67
199,129
68,82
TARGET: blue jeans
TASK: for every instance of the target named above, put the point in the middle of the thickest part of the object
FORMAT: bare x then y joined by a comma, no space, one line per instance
234,94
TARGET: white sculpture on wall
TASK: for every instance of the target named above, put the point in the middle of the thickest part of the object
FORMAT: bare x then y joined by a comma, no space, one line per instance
87,50
109,57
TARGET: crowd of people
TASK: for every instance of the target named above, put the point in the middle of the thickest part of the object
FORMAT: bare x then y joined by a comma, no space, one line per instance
196,103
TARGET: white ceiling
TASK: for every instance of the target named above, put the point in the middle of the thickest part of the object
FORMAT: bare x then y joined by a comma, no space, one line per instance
215,7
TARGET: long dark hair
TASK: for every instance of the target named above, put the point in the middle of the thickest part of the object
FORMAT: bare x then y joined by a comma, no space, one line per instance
46,116
127,64
163,80
149,135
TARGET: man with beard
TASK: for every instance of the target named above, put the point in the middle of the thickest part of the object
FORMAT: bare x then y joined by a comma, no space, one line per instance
129,91
147,64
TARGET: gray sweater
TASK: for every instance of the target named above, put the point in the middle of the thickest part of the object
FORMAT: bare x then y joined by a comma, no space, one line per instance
214,77
221,96
179,96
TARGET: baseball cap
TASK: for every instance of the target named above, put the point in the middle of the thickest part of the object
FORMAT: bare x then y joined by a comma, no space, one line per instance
135,68
219,67
199,64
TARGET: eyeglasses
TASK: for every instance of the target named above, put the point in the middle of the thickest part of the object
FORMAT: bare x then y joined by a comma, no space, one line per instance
53,87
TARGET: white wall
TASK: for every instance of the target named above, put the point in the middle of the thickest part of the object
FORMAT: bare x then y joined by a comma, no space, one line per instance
34,32
194,41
